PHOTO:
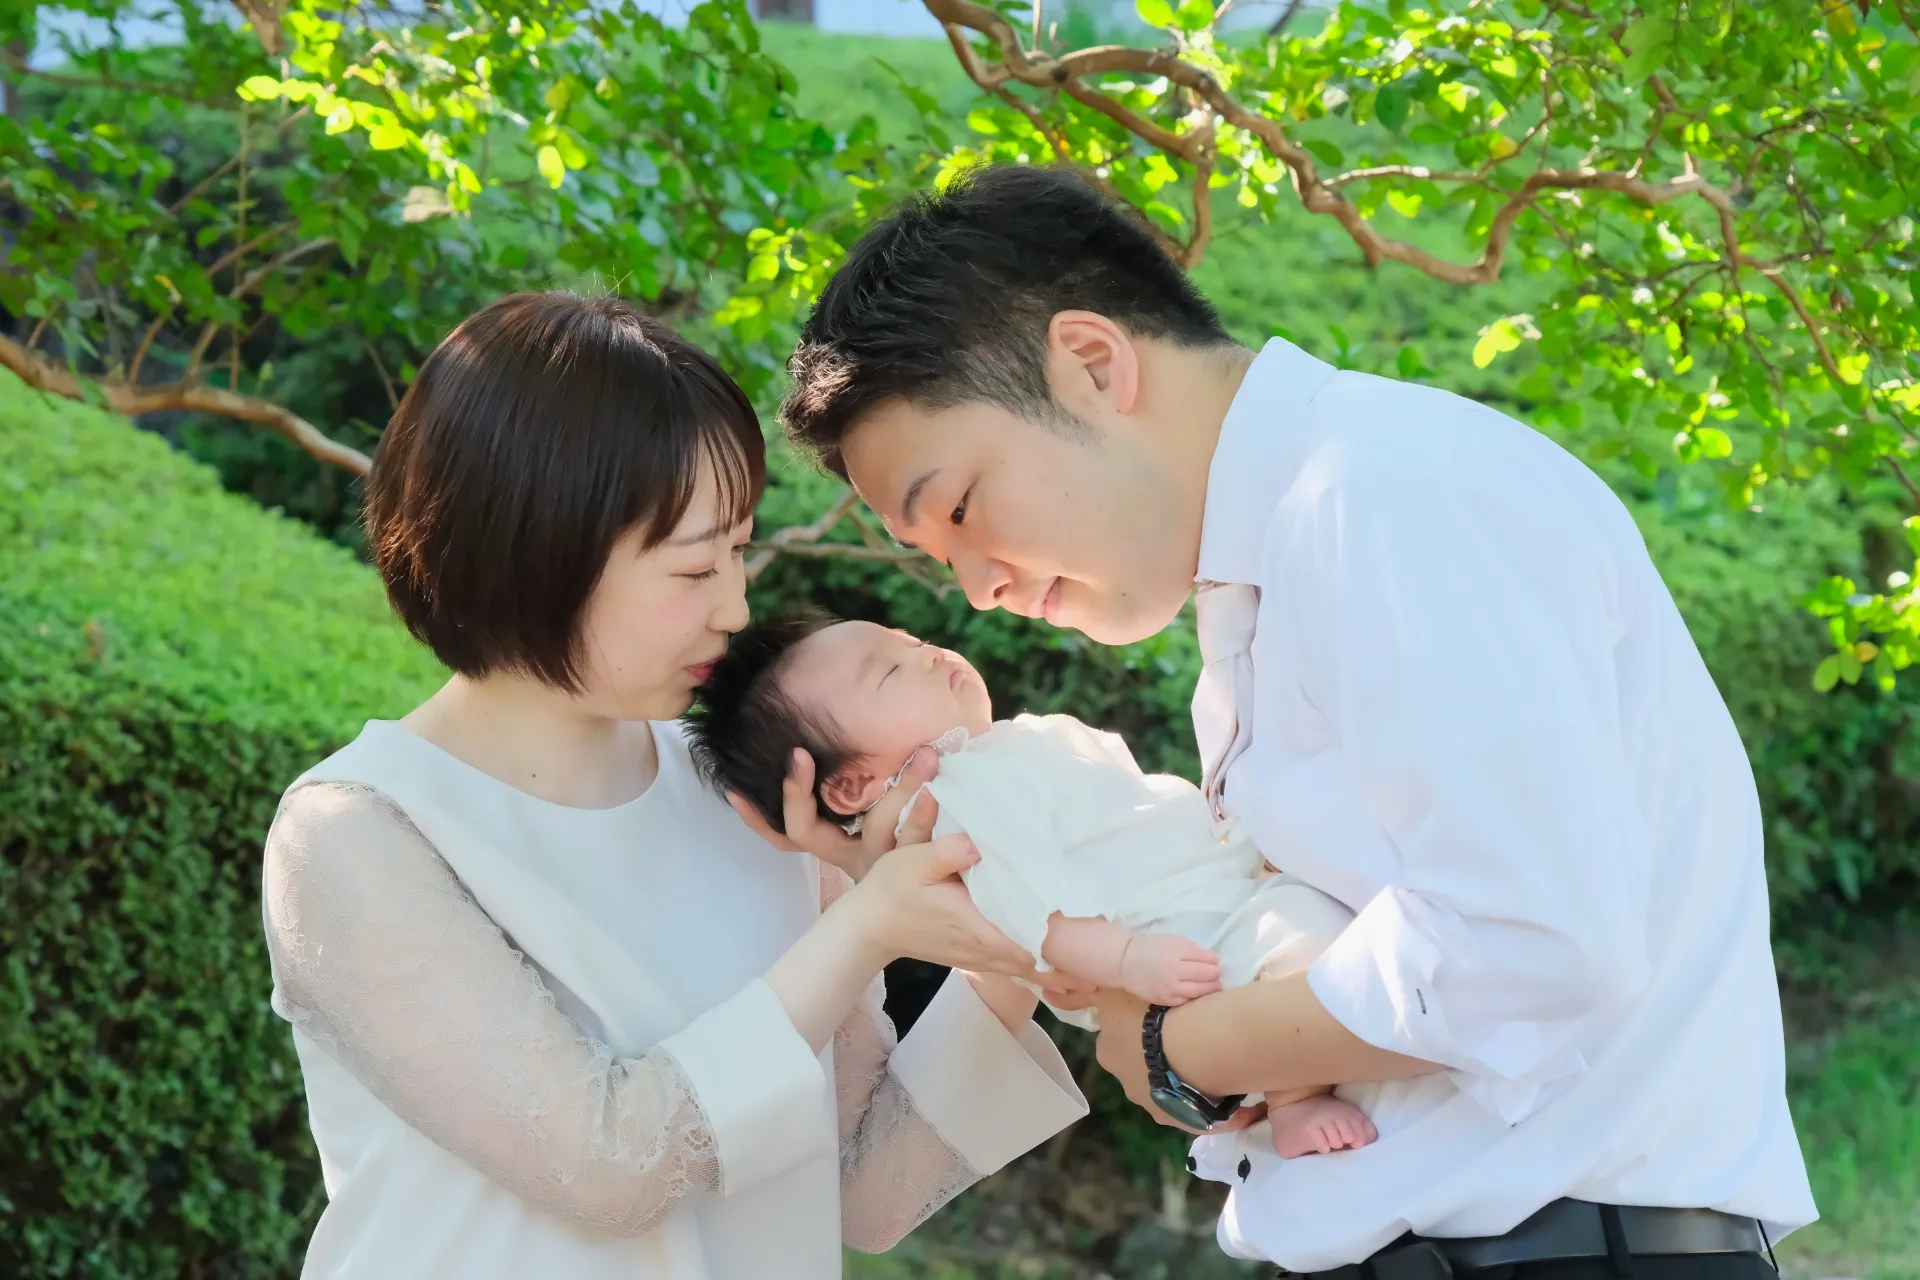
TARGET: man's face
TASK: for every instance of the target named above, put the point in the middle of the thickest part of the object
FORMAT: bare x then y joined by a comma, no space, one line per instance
1083,529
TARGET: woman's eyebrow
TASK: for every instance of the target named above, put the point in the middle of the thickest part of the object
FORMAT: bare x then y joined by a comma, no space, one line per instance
910,501
695,539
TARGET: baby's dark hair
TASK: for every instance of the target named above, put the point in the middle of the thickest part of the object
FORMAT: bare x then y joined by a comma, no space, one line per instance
743,729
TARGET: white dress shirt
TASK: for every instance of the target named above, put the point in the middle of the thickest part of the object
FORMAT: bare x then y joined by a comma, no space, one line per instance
1479,721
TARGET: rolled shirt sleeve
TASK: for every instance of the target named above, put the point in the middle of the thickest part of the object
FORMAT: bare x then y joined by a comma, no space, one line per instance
989,1094
1461,648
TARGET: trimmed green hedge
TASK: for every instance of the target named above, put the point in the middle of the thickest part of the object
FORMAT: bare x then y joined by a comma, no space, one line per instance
170,658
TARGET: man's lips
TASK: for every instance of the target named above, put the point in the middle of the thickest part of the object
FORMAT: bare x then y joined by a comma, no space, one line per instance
1040,606
1050,603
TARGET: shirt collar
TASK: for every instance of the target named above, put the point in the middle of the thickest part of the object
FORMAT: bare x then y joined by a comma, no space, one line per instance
1253,465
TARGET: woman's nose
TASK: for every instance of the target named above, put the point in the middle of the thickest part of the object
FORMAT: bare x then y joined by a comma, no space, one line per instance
730,611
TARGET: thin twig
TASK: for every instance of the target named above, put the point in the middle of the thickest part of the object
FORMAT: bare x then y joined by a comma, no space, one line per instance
379,367
1900,472
139,357
200,187
1286,16
199,351
784,539
265,269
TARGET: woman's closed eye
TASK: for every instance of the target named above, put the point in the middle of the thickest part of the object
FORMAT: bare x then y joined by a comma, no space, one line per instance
708,574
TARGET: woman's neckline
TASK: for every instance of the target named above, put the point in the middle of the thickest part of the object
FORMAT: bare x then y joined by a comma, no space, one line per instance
661,751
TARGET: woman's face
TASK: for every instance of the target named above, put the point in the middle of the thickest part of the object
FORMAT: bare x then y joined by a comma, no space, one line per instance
659,618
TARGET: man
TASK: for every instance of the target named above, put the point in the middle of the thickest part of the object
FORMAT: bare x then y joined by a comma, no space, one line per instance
1444,684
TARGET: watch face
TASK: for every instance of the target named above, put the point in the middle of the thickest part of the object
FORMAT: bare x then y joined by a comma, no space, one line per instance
1181,1109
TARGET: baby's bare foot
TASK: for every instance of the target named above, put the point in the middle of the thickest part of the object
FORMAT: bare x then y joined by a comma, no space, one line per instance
1317,1126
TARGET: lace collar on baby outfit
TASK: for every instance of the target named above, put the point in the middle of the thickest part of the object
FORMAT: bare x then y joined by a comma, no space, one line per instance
946,744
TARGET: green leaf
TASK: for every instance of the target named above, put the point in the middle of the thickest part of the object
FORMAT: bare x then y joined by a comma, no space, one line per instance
1650,41
1714,443
386,137
1327,152
1827,674
551,166
259,89
1155,13
1194,15
1496,339
980,120
1390,106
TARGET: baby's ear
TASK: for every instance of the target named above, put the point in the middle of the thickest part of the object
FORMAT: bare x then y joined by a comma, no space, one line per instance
850,791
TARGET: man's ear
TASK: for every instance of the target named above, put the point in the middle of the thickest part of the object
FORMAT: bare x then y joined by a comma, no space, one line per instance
852,791
1090,358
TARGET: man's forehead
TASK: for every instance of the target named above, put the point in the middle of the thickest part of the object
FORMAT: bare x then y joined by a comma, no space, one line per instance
890,459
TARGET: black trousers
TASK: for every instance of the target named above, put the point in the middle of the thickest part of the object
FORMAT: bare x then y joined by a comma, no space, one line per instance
1694,1266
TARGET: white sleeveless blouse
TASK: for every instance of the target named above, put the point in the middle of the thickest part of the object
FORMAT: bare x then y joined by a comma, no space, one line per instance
535,1040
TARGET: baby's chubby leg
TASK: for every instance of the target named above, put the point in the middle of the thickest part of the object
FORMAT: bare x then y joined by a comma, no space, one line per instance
1312,1121
1160,968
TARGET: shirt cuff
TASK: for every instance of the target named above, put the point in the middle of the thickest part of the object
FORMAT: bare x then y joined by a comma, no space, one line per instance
1378,981
762,1088
989,1094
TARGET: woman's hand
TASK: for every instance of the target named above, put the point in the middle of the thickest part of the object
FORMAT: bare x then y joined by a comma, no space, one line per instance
912,904
808,832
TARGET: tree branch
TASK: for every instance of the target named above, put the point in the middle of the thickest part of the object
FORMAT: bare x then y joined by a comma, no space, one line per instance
784,539
267,268
1067,74
130,400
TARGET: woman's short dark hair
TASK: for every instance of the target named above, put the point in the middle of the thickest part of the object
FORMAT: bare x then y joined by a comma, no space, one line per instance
948,301
535,436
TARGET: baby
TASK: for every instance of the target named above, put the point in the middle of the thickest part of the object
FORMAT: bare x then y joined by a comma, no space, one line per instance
1113,875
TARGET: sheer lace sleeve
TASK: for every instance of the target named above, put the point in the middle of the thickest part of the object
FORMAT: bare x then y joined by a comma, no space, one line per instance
895,1169
382,957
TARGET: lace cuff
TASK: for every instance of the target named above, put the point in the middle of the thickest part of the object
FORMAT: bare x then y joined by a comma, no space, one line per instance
989,1094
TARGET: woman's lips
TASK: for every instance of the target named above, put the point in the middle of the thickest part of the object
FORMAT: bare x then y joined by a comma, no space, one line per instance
703,670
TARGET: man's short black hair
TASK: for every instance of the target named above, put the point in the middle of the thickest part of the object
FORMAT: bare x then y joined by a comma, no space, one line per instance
535,436
743,727
948,301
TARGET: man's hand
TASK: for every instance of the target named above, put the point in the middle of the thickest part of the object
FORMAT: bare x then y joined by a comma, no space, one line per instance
1119,1051
808,832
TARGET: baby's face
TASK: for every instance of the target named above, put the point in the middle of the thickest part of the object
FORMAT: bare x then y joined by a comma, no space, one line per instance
887,693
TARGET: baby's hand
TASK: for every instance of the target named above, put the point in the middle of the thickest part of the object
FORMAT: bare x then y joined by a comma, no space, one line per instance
1165,968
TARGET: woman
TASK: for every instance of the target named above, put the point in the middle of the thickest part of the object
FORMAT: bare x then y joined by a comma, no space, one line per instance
559,1012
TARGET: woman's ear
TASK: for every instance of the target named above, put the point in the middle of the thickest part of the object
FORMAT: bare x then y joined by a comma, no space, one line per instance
852,791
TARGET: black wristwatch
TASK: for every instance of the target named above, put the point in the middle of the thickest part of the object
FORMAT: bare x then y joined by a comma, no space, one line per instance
1180,1100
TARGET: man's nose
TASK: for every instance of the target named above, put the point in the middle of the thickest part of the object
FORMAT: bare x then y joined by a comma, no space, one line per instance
985,581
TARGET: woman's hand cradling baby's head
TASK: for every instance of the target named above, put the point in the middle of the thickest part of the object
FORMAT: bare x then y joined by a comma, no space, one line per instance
808,832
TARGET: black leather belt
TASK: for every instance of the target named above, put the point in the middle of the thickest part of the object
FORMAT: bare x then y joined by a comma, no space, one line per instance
1563,1230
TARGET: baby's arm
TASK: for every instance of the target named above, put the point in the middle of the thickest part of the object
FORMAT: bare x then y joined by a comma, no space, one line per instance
1160,968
